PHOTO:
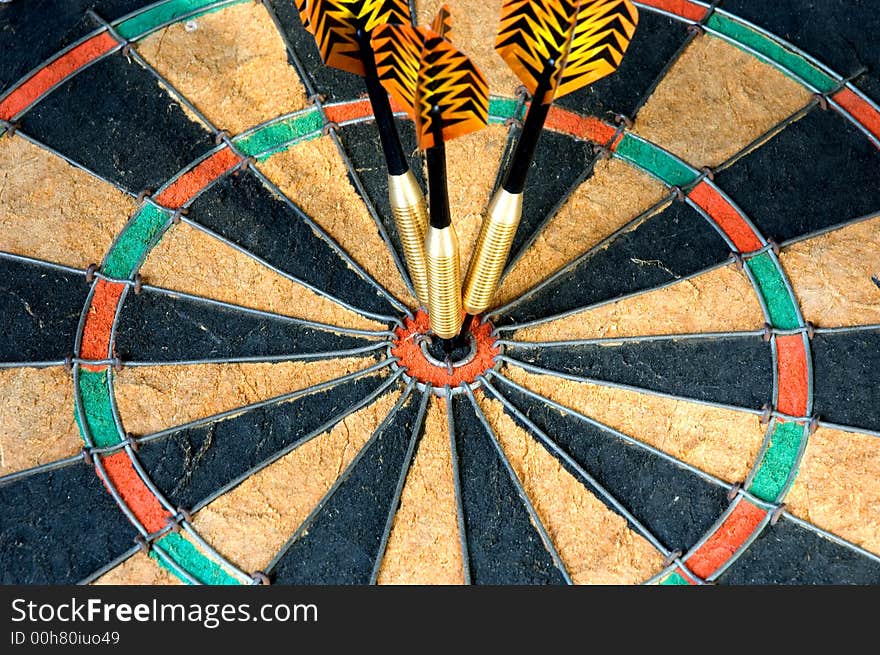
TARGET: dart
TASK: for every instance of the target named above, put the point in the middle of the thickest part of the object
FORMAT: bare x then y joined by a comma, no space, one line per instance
554,47
342,30
447,97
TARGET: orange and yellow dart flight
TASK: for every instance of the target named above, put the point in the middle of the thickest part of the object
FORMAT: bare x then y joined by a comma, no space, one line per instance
335,25
559,46
433,80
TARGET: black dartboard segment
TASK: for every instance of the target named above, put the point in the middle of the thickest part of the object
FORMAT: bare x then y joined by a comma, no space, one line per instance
870,84
665,247
40,309
819,172
341,543
503,546
159,327
243,210
832,31
194,463
655,43
115,119
58,527
34,30
846,369
735,371
789,554
674,504
331,83
364,150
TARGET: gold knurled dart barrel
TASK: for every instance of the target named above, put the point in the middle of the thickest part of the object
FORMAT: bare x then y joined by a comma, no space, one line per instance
491,251
411,217
444,281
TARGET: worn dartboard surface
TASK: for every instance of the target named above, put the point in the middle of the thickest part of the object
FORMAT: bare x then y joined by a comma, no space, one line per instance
208,372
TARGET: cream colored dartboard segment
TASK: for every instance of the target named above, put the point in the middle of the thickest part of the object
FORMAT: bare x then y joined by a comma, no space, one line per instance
154,398
53,211
686,307
424,546
36,420
836,488
231,64
192,261
834,287
138,569
715,101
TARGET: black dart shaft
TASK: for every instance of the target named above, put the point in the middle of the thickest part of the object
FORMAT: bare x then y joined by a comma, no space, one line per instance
391,146
524,153
441,246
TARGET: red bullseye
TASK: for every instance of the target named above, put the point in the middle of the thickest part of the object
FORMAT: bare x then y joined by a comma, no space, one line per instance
408,347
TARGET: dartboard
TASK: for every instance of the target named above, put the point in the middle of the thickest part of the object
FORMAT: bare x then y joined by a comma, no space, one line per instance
213,369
